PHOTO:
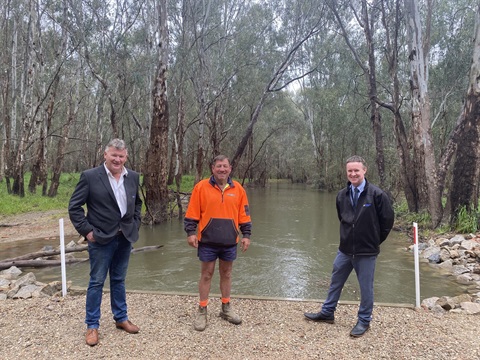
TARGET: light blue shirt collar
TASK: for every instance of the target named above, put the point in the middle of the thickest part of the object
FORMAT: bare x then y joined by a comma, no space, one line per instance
361,187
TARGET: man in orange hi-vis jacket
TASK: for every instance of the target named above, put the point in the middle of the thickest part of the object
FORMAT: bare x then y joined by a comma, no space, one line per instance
219,209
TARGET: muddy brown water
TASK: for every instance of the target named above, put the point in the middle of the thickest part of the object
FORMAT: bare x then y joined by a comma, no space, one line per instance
294,242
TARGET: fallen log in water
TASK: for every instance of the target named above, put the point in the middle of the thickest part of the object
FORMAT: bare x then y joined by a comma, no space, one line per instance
32,259
37,263
147,248
45,253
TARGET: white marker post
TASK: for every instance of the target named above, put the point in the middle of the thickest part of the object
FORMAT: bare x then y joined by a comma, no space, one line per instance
417,268
62,259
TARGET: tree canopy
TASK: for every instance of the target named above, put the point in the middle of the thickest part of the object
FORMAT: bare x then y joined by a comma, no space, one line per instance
286,89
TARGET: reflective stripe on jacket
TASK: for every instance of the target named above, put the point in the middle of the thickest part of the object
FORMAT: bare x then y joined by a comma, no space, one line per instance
219,214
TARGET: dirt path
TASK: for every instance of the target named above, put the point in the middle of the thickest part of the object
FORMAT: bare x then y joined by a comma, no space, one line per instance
36,225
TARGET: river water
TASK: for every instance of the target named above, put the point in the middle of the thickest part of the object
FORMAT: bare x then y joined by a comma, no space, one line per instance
294,242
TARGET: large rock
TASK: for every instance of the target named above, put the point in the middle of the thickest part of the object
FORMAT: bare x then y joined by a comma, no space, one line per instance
11,273
432,254
469,245
457,240
444,255
447,265
25,280
464,279
25,292
53,288
470,308
429,303
459,270
446,302
462,298
4,284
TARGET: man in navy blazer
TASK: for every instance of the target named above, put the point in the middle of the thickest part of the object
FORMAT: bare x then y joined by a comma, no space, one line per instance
110,193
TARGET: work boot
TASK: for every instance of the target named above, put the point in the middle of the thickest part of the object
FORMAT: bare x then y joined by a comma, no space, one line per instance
228,314
200,322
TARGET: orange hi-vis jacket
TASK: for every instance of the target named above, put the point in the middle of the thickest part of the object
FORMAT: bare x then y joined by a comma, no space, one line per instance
219,213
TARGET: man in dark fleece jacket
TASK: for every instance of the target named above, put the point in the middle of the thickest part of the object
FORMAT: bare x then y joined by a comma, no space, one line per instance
366,218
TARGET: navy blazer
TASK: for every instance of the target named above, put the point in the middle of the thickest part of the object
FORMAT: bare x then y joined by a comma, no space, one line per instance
103,214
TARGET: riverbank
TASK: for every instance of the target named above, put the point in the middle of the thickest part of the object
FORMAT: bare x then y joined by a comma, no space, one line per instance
53,328
34,225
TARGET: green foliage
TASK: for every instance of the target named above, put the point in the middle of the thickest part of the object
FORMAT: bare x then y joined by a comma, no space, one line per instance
401,208
422,219
403,215
467,221
186,185
12,204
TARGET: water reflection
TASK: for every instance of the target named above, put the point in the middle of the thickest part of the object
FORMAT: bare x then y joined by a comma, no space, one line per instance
294,242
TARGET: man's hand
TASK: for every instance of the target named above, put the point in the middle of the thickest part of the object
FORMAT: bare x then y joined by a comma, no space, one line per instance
192,241
244,244
90,237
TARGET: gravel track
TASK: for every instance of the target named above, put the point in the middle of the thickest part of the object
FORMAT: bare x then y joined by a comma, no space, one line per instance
53,328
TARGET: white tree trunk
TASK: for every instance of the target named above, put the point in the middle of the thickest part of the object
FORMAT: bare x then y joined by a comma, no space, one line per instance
420,112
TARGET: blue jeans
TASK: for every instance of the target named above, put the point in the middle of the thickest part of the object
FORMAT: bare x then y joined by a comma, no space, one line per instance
111,258
342,267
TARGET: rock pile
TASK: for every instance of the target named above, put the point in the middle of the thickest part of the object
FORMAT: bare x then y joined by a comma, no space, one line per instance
14,285
459,256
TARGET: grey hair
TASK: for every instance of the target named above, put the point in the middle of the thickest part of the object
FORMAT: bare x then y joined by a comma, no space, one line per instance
118,144
356,158
219,158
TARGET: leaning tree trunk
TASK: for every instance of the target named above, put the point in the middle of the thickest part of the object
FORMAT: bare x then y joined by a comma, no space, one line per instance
371,78
179,139
367,21
465,181
62,144
39,167
407,168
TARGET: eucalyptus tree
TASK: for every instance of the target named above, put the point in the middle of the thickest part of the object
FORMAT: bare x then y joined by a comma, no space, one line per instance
425,158
378,57
210,29
113,48
7,41
466,171
298,22
53,38
366,16
424,151
156,167
27,18
73,95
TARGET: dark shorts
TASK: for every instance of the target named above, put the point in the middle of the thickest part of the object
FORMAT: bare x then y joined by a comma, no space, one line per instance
207,253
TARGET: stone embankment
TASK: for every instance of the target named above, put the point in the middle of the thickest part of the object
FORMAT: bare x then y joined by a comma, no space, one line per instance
459,257
14,285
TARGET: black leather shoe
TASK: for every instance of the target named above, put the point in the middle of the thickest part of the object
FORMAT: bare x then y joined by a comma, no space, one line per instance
320,317
359,329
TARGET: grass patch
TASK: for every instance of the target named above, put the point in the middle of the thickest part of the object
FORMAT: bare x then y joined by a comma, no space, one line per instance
467,221
13,204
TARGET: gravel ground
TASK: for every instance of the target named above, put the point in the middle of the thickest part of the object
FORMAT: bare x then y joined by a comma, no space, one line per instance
52,328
